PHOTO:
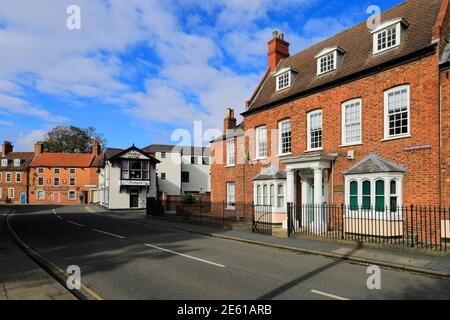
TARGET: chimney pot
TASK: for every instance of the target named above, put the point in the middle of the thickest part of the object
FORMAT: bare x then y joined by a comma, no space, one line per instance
278,50
229,121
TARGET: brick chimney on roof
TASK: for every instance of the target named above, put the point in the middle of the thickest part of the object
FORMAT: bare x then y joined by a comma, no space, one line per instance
229,121
7,147
39,148
278,50
96,148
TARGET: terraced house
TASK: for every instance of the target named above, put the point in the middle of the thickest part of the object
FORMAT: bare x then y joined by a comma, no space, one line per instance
361,119
64,178
13,175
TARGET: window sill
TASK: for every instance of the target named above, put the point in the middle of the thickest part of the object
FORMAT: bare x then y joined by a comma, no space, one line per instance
230,208
230,166
259,159
313,150
355,144
405,136
284,155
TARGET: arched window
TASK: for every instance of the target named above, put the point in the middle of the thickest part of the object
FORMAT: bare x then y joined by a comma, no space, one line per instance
379,195
353,195
272,195
366,189
280,196
393,196
265,195
258,195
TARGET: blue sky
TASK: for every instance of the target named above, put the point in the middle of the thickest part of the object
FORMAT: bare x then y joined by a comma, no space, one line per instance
140,69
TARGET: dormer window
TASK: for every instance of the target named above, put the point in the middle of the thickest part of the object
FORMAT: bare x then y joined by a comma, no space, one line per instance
4,162
328,59
388,35
284,78
17,162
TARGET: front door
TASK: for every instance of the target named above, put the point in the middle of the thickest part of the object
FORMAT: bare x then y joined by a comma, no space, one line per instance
55,198
23,198
134,198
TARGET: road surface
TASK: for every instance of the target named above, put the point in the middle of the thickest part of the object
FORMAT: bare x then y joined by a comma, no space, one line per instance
120,259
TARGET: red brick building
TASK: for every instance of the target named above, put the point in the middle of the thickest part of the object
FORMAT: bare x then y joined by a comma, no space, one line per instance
361,118
64,178
13,175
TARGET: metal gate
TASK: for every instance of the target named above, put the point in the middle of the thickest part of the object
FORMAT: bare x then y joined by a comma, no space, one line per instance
262,219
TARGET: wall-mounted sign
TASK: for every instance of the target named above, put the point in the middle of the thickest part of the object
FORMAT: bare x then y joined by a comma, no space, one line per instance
134,155
339,188
418,147
134,183
56,188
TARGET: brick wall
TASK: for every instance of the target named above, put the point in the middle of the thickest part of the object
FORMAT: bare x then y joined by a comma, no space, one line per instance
445,151
421,184
19,188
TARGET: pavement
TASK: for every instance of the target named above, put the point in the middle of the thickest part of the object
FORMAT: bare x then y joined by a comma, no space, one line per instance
121,257
430,264
20,277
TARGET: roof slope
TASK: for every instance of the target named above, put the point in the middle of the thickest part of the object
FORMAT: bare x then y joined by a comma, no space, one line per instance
26,157
65,160
373,163
205,151
357,44
271,173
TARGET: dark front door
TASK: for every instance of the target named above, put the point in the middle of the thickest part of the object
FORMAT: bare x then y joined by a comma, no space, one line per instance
134,198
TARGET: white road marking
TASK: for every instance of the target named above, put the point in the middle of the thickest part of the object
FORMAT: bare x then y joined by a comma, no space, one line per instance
329,295
111,234
60,218
186,256
75,223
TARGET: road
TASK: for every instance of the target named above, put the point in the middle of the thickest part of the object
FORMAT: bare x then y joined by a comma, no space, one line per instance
125,260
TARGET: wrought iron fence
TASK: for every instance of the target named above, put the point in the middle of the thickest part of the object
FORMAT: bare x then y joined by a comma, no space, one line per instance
424,227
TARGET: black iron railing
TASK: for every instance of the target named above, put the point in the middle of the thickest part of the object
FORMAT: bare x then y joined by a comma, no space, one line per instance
426,227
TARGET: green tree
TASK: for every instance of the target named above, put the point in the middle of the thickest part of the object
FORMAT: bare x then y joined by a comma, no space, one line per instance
71,139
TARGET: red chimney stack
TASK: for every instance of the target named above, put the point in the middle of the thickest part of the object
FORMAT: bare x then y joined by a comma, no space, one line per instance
229,121
7,147
278,50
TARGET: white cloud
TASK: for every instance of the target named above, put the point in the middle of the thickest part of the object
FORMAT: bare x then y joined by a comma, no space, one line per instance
25,140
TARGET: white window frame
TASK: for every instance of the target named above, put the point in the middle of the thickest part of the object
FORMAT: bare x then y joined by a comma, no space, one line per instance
1,192
334,55
387,136
43,181
231,154
13,193
75,181
260,156
8,177
37,194
261,198
40,170
74,192
373,178
231,196
17,162
4,162
384,28
309,115
72,171
18,174
1,176
344,122
59,182
56,170
280,138
288,81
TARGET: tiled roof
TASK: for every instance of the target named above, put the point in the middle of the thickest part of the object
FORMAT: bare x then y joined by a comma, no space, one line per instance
271,173
172,148
237,132
357,44
26,157
64,160
373,163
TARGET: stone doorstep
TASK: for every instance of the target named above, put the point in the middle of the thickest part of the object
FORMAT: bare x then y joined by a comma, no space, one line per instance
367,254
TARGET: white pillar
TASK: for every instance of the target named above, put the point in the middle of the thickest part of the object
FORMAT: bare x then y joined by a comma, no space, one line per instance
305,193
290,192
318,186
